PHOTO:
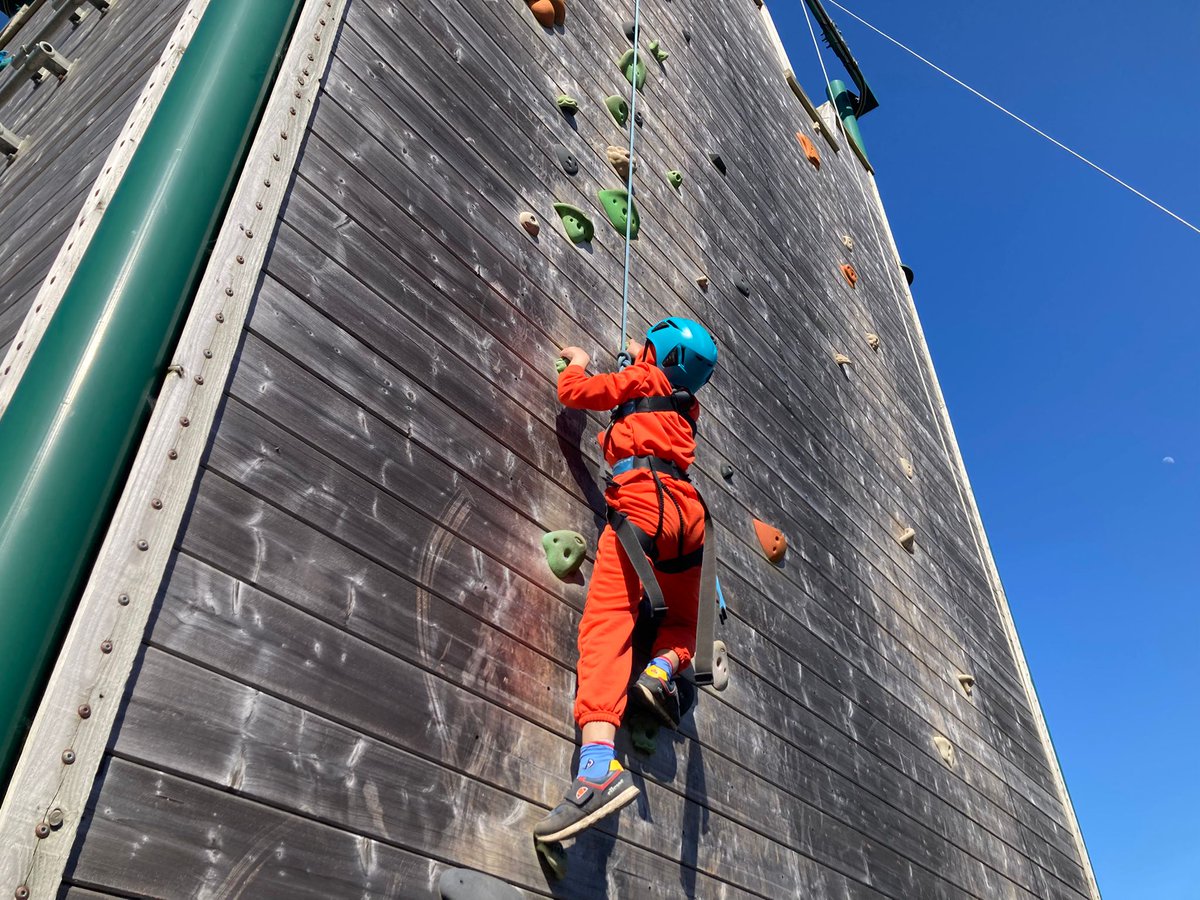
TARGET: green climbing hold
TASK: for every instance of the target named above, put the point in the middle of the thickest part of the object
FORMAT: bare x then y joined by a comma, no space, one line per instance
560,365
569,105
618,108
621,212
553,857
643,733
675,177
625,64
565,551
659,53
578,226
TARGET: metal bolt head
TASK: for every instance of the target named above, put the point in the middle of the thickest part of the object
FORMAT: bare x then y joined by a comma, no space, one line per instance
41,831
185,421
68,756
199,379
21,893
105,647
156,503
143,545
208,354
241,260
123,599
85,712
55,818
229,290
172,454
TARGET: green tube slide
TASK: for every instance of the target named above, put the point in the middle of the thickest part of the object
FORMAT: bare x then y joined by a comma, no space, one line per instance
840,96
78,414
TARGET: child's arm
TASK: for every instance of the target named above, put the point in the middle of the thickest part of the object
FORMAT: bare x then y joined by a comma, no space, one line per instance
579,390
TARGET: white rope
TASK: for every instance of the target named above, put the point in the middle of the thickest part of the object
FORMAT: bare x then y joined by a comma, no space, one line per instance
1013,115
637,36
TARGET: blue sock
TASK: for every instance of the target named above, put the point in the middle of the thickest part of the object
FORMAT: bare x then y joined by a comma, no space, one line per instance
595,760
663,665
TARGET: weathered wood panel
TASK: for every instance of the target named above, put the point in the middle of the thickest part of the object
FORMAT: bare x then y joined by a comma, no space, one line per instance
359,616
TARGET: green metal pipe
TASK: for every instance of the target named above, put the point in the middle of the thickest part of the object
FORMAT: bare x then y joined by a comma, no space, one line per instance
77,416
843,101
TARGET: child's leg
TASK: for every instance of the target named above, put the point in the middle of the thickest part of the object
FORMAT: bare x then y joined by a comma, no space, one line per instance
677,631
606,638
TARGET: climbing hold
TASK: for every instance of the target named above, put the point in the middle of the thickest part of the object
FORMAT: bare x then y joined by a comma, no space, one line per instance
565,551
625,64
675,177
873,341
621,212
560,365
907,467
467,884
553,857
842,359
630,28
567,160
908,538
618,109
773,542
719,163
643,733
687,36
851,275
618,157
660,54
847,242
548,12
720,666
578,226
908,274
569,105
530,223
743,287
966,682
637,118
945,748
727,471
809,148
702,281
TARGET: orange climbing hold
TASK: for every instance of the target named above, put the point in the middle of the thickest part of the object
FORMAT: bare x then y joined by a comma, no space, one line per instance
773,542
548,12
810,149
851,275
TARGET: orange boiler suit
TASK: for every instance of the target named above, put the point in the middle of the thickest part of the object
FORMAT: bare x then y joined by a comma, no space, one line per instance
615,592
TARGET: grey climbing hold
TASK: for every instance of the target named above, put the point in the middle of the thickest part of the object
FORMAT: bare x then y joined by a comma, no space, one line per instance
565,552
567,160
908,274
966,682
630,28
618,109
727,471
635,77
675,177
720,666
637,118
944,748
743,287
467,884
719,163
908,538
660,54
687,36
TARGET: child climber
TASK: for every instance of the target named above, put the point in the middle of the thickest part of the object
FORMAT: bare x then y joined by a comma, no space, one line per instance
649,444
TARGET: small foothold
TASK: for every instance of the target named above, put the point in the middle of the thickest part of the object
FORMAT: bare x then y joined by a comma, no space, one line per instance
717,162
687,36
569,105
908,539
675,177
847,242
743,287
851,275
554,857
618,109
560,365
565,552
630,28
810,149
702,281
720,666
873,340
643,734
660,54
578,226
625,64
618,157
727,471
945,748
548,13
567,160
908,274
530,223
966,682
621,212
907,467
467,884
842,359
773,542
637,118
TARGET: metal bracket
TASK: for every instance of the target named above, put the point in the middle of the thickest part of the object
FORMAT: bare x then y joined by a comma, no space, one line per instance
42,58
82,11
10,142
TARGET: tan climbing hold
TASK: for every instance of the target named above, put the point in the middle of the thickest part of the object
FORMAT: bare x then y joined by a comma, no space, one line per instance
851,275
907,467
966,682
847,242
773,542
702,281
873,340
842,359
809,148
720,666
530,223
908,538
944,748
618,157
548,13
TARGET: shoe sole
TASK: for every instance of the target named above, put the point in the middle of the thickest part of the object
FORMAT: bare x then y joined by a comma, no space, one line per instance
616,803
649,702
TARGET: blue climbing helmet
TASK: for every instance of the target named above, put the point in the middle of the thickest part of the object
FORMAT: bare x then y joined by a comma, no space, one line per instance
685,351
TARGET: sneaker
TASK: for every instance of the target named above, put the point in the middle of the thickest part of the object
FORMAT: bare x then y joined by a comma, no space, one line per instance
660,697
585,803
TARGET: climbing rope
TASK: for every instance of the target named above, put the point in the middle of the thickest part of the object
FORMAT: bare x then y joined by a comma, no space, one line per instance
623,357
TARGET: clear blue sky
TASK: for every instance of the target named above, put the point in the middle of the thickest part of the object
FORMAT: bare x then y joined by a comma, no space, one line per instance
1063,315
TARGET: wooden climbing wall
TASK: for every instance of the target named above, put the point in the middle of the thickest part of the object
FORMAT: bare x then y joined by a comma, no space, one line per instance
360,670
